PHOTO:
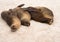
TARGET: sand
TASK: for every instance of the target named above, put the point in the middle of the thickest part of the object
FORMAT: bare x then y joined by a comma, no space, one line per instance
36,32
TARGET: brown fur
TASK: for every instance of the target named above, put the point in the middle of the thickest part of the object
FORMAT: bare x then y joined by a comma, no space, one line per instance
40,14
15,17
16,23
22,16
11,20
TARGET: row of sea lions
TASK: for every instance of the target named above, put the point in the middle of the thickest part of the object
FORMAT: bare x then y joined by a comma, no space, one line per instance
21,16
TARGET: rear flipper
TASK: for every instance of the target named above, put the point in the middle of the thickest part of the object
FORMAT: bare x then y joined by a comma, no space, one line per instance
21,5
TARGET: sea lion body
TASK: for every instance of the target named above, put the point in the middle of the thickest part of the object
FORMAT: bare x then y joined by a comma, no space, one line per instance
23,15
41,14
15,17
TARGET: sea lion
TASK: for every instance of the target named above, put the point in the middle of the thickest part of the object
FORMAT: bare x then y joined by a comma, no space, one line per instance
41,14
16,17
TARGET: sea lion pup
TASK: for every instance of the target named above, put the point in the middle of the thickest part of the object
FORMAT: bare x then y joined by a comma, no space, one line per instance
23,15
15,17
41,14
11,20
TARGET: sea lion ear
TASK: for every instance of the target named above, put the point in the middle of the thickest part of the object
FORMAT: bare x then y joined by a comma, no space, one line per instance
21,5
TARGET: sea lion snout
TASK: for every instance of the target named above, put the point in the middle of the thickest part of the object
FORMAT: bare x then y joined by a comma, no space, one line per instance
13,29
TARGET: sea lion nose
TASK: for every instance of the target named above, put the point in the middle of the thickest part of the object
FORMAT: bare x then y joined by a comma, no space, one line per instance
13,29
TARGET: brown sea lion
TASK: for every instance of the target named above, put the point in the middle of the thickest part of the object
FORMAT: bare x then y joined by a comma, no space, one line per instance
15,17
40,14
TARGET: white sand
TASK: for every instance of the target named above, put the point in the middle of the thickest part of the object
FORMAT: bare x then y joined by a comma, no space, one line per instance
37,32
